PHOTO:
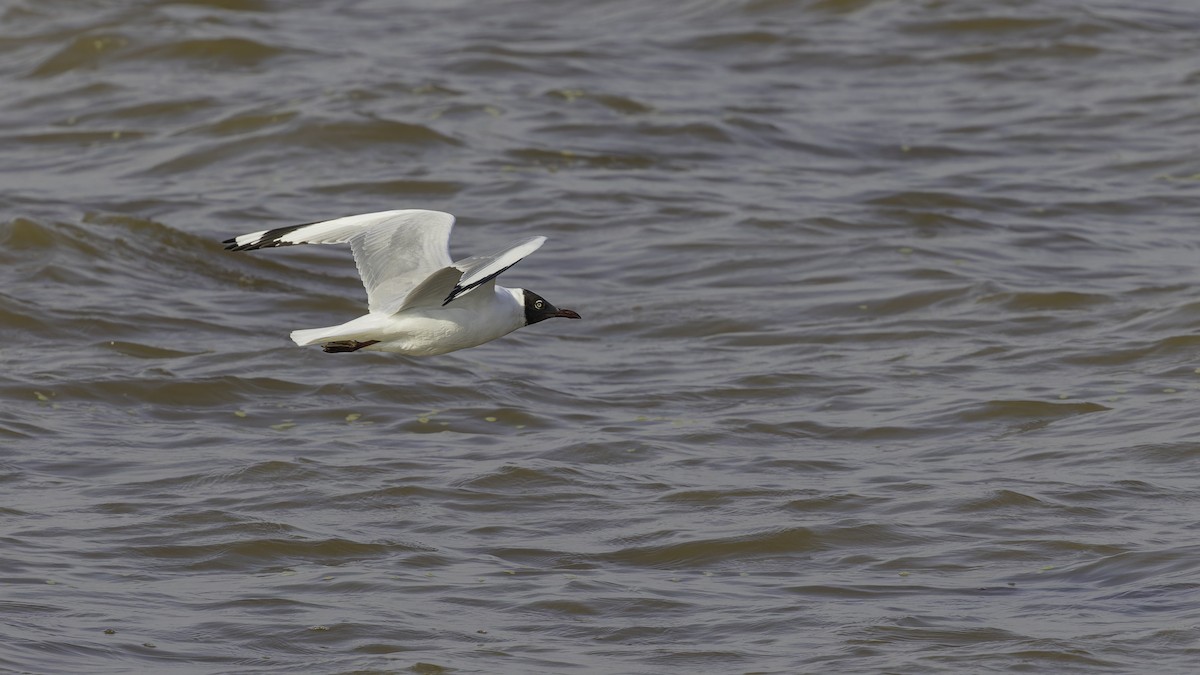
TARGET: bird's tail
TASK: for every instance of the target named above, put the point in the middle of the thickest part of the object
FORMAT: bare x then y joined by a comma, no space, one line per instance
366,327
310,336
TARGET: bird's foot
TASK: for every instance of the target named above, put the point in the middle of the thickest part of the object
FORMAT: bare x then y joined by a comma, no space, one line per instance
346,345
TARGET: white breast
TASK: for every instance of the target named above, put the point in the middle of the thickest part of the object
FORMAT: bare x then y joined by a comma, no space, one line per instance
431,331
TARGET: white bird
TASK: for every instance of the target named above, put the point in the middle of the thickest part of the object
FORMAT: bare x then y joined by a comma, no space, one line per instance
420,303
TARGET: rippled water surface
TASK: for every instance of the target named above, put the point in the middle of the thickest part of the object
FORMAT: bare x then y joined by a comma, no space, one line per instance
889,359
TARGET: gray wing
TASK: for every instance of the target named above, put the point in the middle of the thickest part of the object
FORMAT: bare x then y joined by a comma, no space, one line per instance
460,279
395,251
480,269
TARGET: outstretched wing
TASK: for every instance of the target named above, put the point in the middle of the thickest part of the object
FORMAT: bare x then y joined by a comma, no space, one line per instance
480,269
455,281
395,251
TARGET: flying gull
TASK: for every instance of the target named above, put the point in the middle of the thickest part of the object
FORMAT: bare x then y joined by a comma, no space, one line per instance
420,303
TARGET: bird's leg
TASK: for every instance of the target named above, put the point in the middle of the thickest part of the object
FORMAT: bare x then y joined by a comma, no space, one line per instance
346,345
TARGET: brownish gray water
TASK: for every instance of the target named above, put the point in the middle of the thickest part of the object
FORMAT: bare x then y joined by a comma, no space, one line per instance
889,360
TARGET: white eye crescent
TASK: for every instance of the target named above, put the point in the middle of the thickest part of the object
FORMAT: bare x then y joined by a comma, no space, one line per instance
538,304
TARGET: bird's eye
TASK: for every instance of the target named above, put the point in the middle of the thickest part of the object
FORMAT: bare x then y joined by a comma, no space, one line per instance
538,304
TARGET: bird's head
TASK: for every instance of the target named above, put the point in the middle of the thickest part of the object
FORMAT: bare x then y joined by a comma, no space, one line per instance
538,309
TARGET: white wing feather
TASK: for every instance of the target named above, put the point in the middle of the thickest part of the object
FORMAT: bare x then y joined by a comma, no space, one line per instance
402,256
479,269
394,250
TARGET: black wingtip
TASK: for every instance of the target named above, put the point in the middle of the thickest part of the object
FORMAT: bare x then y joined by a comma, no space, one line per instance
454,293
232,245
459,290
253,245
267,239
